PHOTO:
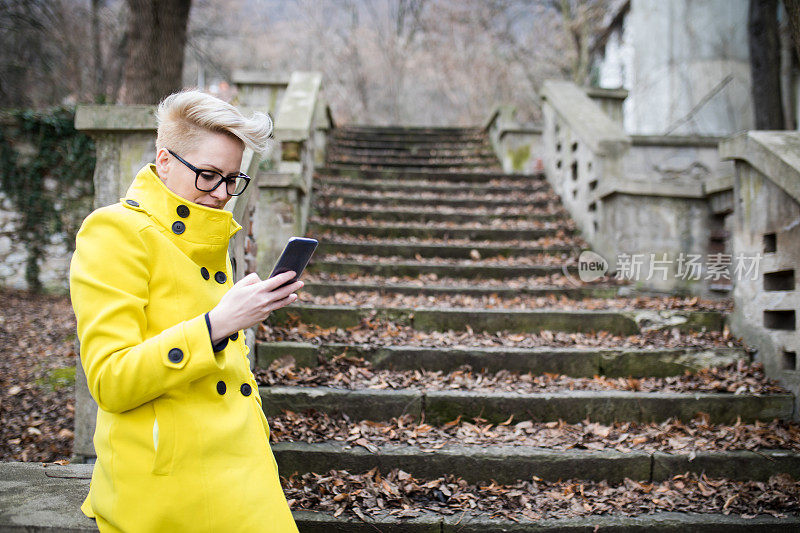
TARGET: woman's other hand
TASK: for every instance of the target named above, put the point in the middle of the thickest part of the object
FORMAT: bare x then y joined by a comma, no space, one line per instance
249,302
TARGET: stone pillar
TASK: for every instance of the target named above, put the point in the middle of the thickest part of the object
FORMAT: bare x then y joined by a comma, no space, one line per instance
125,141
259,89
284,193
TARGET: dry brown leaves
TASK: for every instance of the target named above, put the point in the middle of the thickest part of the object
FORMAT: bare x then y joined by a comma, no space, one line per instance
36,419
494,224
430,280
398,493
520,302
671,436
374,332
355,373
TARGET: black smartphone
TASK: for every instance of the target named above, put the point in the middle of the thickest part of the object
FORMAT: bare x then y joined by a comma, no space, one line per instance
295,257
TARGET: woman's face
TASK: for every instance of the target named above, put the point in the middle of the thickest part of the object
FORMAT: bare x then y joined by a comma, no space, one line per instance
215,151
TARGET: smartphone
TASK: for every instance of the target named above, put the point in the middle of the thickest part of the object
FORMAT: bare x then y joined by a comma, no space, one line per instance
295,257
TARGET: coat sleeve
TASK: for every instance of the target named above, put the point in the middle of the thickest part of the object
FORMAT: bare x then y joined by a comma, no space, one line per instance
109,288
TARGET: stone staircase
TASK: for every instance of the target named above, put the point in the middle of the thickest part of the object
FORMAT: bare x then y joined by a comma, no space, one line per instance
444,298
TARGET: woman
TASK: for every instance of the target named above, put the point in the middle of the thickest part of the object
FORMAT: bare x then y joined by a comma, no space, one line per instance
181,440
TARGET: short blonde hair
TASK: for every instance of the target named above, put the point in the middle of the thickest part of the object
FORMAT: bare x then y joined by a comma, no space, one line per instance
183,117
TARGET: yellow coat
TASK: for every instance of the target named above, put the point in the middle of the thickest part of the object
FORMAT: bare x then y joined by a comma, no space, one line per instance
181,440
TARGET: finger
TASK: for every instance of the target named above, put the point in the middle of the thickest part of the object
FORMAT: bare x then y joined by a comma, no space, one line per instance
280,294
281,303
272,283
249,279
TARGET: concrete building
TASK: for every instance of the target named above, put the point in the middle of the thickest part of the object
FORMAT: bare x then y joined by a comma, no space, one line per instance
685,64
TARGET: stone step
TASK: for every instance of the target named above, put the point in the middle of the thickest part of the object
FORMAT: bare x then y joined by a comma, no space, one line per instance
411,250
494,320
424,216
459,175
419,137
604,407
465,193
46,499
380,143
509,464
574,362
434,232
370,128
426,152
662,522
328,288
471,196
408,161
413,166
416,269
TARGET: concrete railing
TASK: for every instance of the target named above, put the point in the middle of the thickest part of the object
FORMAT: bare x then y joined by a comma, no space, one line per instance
125,141
655,198
766,233
301,127
518,147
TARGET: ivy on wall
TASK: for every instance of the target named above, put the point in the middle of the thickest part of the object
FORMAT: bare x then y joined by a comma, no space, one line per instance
46,169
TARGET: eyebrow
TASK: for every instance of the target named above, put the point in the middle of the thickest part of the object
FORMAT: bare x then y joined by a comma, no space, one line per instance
209,165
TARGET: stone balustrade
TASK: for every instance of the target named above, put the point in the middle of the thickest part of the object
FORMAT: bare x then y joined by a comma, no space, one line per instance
301,126
518,147
655,198
766,226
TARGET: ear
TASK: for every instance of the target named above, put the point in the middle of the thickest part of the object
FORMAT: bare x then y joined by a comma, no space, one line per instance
162,163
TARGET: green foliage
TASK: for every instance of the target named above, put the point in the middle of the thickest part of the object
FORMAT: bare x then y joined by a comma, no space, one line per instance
51,184
57,378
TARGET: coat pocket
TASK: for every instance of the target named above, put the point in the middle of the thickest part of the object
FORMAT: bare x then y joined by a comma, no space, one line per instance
163,437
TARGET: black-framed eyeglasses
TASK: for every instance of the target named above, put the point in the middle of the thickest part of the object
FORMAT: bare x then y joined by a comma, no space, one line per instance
207,180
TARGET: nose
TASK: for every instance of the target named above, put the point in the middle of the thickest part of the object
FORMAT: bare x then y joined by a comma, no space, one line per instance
221,193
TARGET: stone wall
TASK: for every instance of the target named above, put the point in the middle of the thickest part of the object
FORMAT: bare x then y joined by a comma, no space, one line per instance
54,264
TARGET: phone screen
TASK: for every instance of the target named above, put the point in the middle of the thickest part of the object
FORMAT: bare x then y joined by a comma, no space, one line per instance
295,257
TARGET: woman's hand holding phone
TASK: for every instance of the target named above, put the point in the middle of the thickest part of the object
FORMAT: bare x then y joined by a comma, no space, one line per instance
249,302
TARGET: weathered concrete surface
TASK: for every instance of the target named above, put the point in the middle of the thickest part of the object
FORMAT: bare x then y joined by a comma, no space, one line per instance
36,498
426,232
659,522
567,361
331,288
673,57
259,88
366,404
739,464
606,407
434,250
503,464
766,224
415,269
493,320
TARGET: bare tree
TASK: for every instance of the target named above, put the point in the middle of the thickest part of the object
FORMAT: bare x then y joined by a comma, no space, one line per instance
156,43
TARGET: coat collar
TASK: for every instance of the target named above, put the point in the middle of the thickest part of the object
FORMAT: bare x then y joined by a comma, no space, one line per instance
184,219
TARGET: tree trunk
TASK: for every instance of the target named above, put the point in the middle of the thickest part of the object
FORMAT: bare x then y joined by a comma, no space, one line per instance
793,14
765,64
99,72
156,40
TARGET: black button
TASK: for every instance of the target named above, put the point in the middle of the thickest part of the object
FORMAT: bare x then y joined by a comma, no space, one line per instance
246,389
183,211
220,277
175,355
234,336
178,227
134,203
221,388
204,273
